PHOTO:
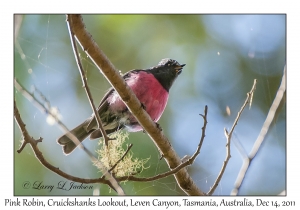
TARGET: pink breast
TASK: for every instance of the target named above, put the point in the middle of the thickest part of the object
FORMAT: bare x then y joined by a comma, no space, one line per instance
150,93
148,90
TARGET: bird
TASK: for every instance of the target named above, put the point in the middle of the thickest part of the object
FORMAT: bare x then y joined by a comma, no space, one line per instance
151,86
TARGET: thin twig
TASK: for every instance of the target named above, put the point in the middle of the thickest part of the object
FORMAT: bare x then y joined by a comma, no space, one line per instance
47,102
127,150
44,162
27,139
96,113
228,138
203,133
185,163
248,100
182,177
45,110
85,84
269,119
42,108
156,177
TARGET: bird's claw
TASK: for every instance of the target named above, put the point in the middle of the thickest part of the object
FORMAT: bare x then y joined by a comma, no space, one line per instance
143,106
158,126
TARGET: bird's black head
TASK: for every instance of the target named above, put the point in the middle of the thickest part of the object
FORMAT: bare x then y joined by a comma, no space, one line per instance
166,72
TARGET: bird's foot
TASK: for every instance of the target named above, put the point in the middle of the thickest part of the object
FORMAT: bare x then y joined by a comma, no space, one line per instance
143,106
158,126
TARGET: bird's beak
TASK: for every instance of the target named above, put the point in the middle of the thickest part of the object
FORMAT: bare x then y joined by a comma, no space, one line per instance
179,68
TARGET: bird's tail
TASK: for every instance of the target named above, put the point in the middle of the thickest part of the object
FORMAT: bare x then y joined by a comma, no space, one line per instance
81,134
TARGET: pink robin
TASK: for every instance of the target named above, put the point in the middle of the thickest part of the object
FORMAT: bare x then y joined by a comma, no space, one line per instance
151,86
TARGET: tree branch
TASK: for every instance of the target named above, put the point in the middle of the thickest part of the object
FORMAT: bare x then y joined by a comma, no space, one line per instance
264,130
27,139
85,84
186,162
125,153
44,162
112,75
228,137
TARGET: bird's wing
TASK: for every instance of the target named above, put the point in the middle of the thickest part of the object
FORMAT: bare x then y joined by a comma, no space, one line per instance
103,106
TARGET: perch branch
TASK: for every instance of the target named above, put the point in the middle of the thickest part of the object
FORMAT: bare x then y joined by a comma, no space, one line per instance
182,177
